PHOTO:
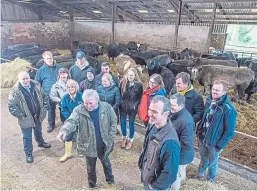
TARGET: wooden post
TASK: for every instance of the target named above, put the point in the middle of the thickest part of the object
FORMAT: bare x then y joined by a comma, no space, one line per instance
177,26
211,27
113,21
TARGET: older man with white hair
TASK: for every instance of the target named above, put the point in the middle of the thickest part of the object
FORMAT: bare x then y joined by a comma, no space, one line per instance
28,103
96,124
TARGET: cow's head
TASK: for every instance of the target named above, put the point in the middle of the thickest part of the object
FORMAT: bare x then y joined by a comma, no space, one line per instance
195,72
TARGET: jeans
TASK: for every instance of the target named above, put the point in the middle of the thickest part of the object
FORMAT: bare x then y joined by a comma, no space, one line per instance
27,137
180,177
91,167
51,112
123,122
209,159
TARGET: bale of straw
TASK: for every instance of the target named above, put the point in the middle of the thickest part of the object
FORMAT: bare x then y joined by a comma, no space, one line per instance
10,71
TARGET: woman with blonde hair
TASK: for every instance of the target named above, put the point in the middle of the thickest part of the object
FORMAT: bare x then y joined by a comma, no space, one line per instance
155,87
131,92
70,100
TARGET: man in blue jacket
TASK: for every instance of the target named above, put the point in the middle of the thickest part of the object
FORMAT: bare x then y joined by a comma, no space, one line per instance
216,129
159,159
47,77
184,125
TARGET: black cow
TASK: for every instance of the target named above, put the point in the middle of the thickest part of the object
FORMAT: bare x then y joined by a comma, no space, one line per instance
132,45
91,48
95,63
141,57
113,50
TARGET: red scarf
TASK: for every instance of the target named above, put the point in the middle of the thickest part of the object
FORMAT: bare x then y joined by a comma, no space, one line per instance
143,107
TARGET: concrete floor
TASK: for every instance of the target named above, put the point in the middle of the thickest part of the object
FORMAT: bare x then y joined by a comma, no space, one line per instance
48,173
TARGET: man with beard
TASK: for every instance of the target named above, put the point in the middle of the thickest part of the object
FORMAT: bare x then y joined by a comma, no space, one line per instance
216,129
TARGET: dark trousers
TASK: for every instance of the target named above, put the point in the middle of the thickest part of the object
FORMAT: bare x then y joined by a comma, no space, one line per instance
51,112
61,116
71,137
123,122
91,164
27,137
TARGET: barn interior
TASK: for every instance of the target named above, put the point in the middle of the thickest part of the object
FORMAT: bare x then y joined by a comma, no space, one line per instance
170,26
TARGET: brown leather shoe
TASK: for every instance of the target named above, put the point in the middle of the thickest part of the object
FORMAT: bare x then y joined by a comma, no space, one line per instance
123,143
129,145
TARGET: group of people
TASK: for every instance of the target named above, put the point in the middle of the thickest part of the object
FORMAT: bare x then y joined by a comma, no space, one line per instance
92,105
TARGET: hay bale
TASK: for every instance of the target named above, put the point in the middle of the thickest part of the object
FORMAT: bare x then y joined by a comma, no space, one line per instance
10,71
194,184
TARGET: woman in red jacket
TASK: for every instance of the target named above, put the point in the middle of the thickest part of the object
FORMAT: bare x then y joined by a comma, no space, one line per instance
155,87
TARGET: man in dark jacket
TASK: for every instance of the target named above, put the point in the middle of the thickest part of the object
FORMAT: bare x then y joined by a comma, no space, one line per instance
78,71
90,82
28,103
184,125
159,160
216,129
194,101
47,77
96,123
106,68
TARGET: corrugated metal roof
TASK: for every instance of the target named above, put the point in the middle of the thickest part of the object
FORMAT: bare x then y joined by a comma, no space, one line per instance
193,11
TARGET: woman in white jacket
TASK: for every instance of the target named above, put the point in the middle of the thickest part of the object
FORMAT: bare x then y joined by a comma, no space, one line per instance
59,89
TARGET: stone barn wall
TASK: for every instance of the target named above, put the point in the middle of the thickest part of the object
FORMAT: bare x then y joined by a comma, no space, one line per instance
159,36
47,34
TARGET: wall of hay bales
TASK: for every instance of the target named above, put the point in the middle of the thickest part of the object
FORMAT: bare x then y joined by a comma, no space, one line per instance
48,34
156,35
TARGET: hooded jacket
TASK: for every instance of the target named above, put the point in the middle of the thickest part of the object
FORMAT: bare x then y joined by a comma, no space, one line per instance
86,141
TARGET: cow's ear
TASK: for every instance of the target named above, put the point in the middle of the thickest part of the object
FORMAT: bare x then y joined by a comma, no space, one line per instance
189,69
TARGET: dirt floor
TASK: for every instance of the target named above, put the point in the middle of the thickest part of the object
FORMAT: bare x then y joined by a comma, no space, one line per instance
47,173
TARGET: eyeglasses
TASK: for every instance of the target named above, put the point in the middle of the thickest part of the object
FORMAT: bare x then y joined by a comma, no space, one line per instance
150,82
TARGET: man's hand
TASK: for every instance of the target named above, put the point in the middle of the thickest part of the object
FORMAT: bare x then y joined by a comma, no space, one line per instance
61,136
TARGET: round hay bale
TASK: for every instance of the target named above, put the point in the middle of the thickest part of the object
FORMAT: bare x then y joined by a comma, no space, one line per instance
10,71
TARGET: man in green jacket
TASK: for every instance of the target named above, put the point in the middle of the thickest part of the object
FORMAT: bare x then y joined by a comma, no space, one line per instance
27,102
96,122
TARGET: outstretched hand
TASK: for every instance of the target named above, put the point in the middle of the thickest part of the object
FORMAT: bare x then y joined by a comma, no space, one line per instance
61,136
